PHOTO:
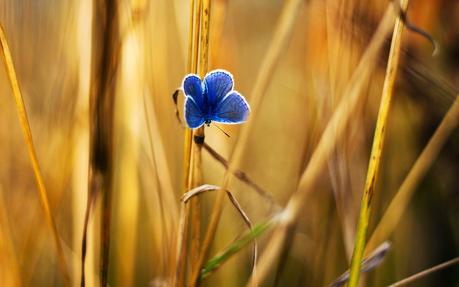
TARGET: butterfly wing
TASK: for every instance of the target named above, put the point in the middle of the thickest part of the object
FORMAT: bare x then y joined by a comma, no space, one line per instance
217,84
193,115
232,109
192,87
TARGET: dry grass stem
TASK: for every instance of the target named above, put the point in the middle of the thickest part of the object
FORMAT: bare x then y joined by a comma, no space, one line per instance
202,50
377,149
426,272
195,172
24,121
193,36
105,60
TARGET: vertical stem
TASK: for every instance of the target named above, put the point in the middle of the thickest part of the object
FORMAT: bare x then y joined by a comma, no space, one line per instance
398,205
198,137
377,148
190,178
24,121
102,102
194,172
204,43
196,35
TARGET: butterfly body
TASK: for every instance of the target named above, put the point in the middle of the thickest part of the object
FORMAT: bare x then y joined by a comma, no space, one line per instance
213,99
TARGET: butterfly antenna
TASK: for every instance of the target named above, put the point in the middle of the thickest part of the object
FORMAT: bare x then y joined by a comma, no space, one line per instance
226,134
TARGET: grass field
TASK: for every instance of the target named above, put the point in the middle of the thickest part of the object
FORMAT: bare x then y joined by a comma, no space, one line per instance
351,144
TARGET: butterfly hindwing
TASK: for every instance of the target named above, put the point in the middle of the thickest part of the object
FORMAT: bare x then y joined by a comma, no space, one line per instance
216,85
232,109
193,114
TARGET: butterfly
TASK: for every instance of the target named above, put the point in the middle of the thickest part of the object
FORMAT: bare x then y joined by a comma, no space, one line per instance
213,99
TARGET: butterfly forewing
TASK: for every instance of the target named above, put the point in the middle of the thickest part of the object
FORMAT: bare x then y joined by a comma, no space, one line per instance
217,84
192,87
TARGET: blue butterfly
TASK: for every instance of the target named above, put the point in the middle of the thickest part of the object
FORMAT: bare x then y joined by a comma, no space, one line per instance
213,99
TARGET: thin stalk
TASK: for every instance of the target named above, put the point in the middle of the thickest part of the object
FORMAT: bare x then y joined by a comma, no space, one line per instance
196,168
426,272
191,178
179,276
281,36
190,69
24,121
105,62
189,64
195,179
377,149
196,35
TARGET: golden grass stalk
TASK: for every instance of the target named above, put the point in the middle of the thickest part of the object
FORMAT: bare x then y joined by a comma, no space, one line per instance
399,203
377,149
24,121
426,272
190,69
195,179
191,161
105,59
333,133
196,167
281,35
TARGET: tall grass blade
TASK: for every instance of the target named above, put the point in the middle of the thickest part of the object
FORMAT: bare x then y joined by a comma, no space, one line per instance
24,121
377,149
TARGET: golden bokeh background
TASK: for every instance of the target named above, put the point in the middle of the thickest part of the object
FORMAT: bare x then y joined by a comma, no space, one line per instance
51,44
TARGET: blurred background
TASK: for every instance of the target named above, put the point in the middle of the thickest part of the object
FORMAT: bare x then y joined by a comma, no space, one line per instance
51,46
